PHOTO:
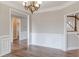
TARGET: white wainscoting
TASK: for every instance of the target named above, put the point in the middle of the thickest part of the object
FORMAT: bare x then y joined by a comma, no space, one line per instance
5,44
23,35
73,40
49,40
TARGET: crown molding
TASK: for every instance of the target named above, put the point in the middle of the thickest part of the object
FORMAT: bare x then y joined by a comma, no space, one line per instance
40,10
56,8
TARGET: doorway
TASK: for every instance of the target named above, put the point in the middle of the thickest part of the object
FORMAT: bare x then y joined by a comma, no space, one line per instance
72,31
16,27
21,39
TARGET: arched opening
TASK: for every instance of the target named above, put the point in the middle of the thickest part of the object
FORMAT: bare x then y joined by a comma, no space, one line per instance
16,27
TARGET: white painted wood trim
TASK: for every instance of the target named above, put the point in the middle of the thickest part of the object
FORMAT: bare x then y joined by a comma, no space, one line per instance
4,36
72,48
5,44
19,11
28,22
65,31
50,40
11,29
28,29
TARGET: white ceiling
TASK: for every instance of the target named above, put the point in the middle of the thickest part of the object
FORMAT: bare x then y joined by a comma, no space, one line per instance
51,4
54,5
45,6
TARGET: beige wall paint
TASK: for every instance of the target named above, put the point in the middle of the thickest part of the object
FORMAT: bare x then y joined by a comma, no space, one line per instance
4,20
48,22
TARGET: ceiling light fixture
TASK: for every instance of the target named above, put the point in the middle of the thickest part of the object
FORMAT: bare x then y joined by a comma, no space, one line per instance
32,5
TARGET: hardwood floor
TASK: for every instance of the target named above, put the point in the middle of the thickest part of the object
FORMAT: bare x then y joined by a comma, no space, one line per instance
36,51
39,51
73,53
17,45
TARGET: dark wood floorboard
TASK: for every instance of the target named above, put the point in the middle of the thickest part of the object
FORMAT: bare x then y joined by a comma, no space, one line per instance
39,51
36,51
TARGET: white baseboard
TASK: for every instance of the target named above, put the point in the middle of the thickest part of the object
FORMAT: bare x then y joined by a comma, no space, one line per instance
49,40
73,48
5,52
5,44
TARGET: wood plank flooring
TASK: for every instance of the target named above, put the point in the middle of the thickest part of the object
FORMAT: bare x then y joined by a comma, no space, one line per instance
39,51
36,51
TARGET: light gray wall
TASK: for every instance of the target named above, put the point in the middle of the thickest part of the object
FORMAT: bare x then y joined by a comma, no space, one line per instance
48,22
73,40
4,20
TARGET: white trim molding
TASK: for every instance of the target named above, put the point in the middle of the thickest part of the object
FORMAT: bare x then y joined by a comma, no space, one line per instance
14,11
72,48
15,6
5,44
49,40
